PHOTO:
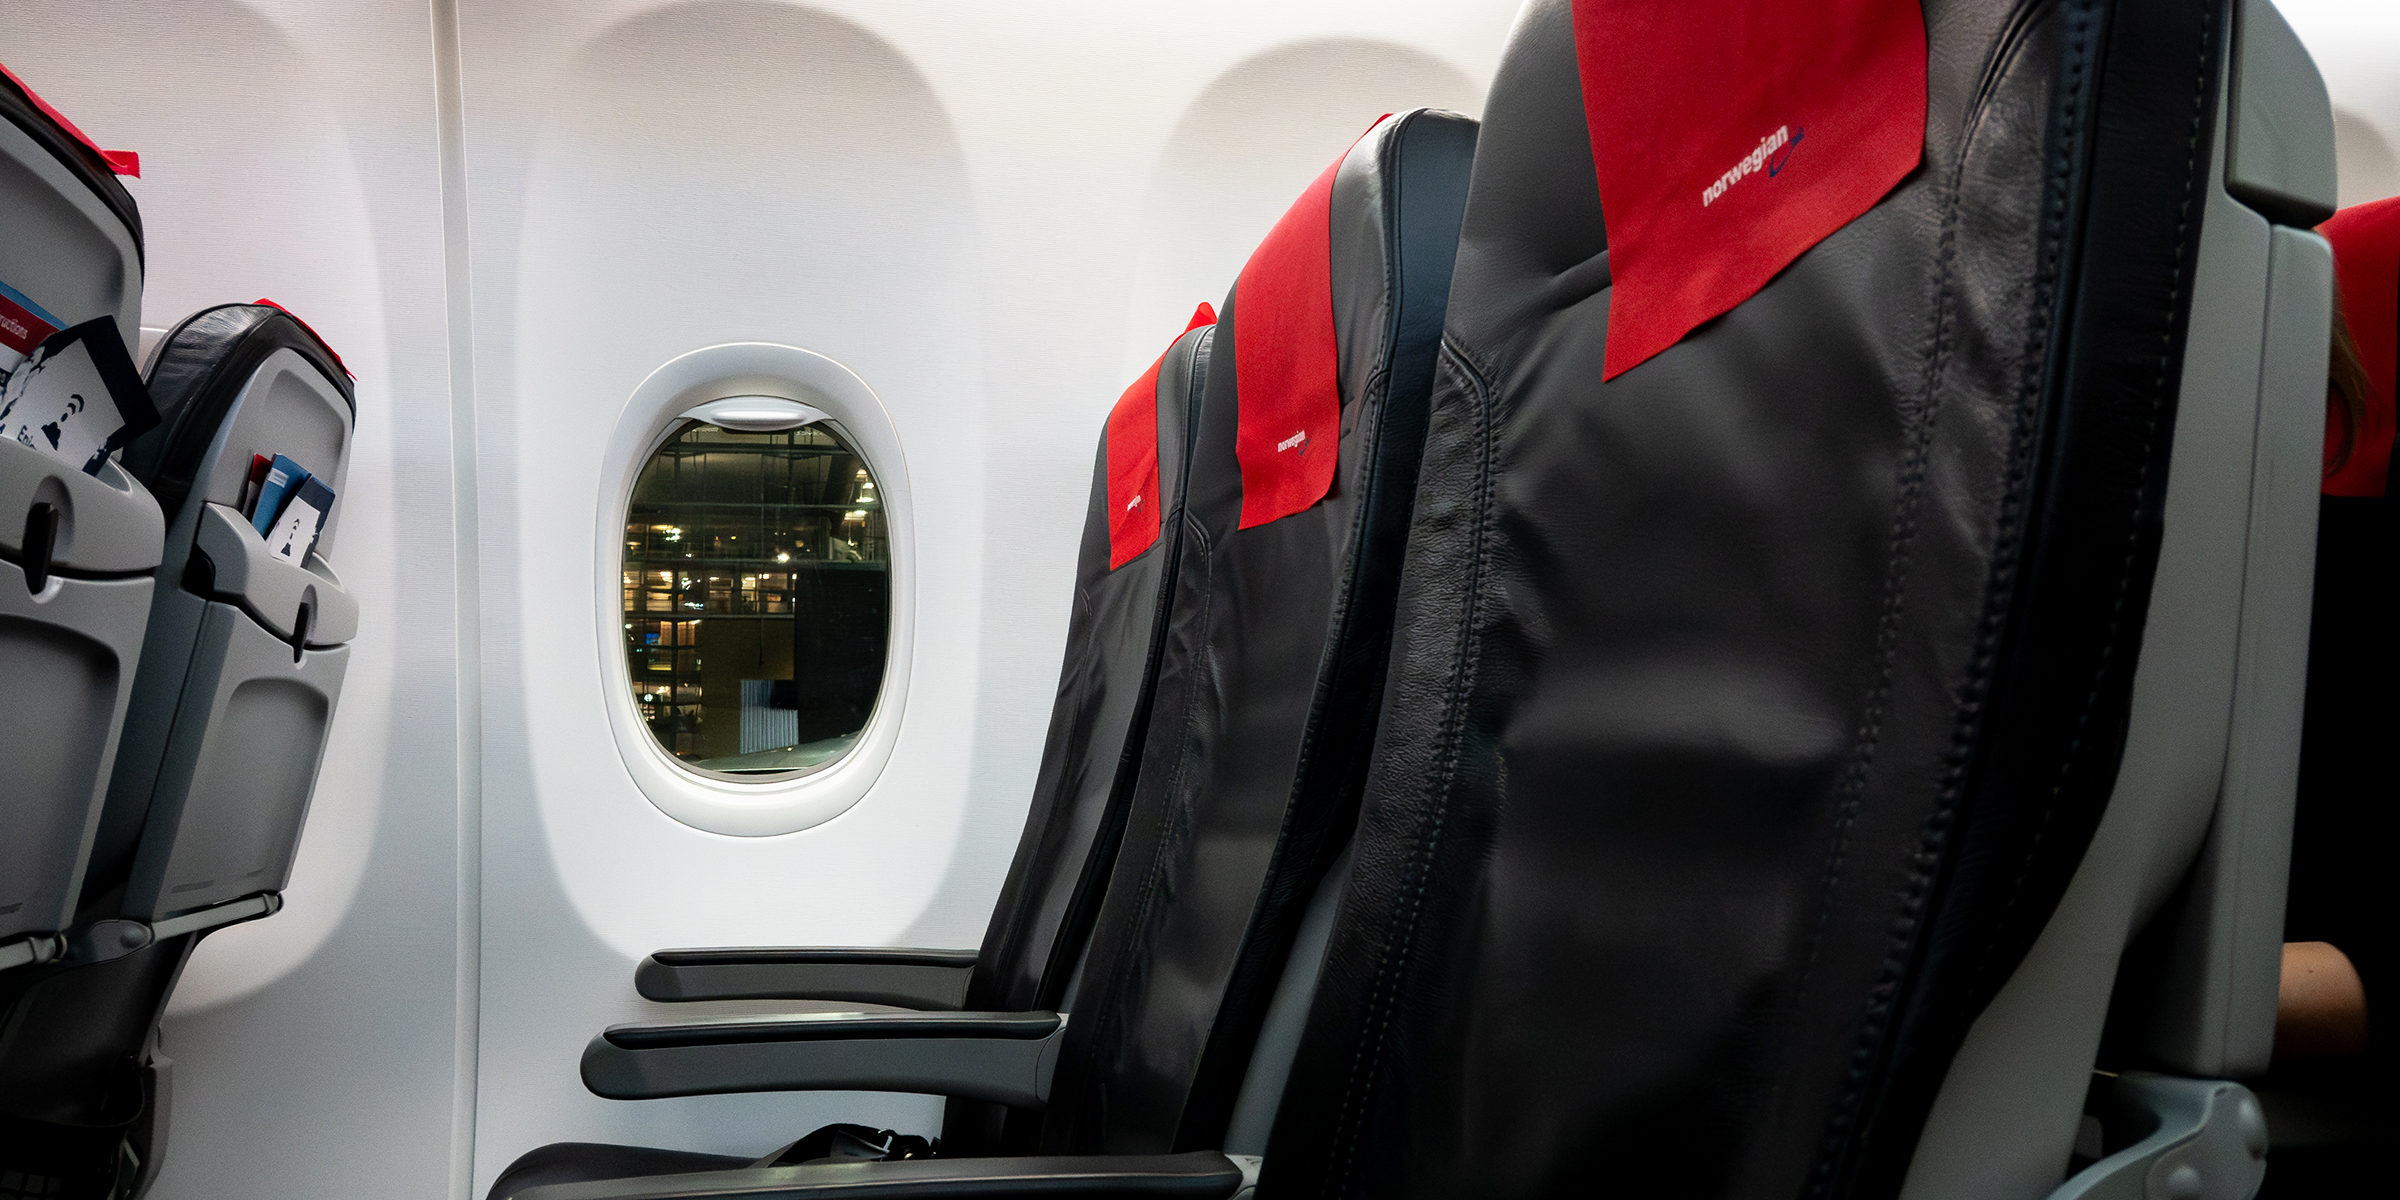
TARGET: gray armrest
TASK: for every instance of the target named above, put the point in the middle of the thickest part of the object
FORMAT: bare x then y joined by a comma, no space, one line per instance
1006,1058
932,980
1199,1175
2202,1138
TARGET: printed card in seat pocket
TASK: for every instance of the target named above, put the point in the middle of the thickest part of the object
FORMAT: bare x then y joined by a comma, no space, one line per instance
24,326
282,480
295,531
77,397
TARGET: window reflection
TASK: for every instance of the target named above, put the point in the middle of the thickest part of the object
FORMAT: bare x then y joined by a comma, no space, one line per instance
757,597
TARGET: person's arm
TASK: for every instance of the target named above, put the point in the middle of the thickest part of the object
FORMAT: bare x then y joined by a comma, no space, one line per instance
2320,1007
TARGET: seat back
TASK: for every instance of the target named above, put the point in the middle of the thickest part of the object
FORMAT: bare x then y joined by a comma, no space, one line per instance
1125,571
1275,660
245,653
76,549
1751,710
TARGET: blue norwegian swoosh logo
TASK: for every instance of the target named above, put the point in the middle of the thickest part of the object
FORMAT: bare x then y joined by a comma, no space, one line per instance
1775,167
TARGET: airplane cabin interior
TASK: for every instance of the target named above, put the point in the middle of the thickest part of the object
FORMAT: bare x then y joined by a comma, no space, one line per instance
1339,600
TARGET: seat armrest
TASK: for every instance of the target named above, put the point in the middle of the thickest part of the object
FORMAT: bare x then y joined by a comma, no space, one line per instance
931,980
1006,1058
1199,1175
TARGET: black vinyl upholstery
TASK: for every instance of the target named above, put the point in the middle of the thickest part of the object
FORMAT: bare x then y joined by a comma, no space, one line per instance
1749,712
1266,709
1093,753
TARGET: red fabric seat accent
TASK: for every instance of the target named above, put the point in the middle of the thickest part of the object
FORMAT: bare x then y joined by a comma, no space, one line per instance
1729,137
2366,260
1133,499
123,162
1287,360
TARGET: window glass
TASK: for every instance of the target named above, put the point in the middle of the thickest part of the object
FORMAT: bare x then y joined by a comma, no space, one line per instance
757,597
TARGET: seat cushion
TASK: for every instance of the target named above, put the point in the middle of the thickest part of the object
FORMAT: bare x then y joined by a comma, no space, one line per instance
585,1162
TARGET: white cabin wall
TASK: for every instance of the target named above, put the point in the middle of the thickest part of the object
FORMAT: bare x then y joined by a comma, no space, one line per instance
961,203
2356,44
288,151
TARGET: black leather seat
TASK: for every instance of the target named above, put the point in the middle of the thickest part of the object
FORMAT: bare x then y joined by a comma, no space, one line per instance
1267,693
1750,714
1752,711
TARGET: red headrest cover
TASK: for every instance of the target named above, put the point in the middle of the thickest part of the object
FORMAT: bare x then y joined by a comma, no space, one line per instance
1133,500
2366,259
1698,115
1287,359
123,162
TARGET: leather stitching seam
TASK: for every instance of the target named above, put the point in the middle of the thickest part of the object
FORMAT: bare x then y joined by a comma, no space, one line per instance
1400,942
2071,755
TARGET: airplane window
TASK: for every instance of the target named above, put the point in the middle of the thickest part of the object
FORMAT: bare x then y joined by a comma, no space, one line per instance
757,597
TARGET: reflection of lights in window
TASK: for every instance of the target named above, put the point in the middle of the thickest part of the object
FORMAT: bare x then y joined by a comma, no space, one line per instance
671,534
782,557
693,604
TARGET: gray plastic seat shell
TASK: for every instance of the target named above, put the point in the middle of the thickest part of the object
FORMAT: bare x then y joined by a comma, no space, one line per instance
107,523
57,230
67,654
2212,752
228,721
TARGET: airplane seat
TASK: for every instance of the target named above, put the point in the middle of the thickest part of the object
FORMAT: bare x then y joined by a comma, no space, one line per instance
2327,1105
1125,573
1268,684
1789,727
244,660
1124,583
240,668
76,546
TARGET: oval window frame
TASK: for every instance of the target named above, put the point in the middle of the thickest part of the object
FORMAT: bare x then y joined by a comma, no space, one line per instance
712,801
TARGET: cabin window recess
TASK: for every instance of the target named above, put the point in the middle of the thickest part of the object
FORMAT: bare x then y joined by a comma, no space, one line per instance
757,598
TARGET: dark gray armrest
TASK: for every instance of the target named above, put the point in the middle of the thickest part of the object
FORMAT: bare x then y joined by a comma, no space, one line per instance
1199,1175
932,980
1006,1058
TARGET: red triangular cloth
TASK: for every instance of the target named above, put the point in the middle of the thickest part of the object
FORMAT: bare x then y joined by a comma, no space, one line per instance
122,162
1731,136
2366,258
1133,499
1287,359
